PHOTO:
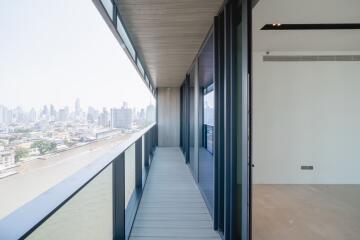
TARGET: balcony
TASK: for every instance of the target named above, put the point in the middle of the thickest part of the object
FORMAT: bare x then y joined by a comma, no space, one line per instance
146,187
247,143
138,191
97,202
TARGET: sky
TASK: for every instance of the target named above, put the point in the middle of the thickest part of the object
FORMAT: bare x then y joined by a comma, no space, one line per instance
52,52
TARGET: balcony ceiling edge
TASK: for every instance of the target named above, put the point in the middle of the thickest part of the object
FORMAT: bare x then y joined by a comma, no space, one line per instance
168,34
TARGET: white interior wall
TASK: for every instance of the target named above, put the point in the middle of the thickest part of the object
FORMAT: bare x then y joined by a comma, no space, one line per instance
306,113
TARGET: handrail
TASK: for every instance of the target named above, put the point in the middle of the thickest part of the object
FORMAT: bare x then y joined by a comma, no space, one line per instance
24,220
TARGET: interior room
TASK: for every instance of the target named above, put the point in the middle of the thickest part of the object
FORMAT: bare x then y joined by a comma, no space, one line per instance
306,102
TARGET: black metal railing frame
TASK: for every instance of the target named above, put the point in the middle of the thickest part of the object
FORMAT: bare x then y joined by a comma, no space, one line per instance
27,218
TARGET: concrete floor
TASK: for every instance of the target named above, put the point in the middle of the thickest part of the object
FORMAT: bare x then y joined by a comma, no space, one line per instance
311,212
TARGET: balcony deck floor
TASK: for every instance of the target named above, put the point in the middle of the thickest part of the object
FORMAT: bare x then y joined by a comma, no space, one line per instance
171,206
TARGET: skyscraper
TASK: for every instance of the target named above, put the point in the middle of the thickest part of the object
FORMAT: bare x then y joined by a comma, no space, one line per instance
32,115
19,115
3,111
104,118
150,113
63,114
52,113
122,118
45,112
77,107
92,115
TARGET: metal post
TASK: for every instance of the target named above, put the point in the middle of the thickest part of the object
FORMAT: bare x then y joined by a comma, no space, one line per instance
146,157
119,197
138,163
229,137
114,16
219,122
246,147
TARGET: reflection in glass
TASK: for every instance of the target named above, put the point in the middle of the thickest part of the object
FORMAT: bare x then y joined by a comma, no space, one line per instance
208,126
140,67
125,38
87,215
69,109
143,151
206,122
129,173
209,108
238,60
108,7
192,157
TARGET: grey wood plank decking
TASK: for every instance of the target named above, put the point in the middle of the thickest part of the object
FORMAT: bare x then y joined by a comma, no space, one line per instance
171,206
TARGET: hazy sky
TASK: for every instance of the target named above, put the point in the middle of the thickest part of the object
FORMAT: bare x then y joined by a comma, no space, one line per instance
52,52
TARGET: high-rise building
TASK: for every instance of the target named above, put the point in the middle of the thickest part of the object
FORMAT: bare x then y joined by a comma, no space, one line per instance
3,111
142,114
32,115
45,112
122,117
19,115
92,115
63,114
77,107
104,118
52,112
8,117
150,113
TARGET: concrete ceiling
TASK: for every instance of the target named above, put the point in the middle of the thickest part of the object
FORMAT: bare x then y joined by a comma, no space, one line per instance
306,11
168,34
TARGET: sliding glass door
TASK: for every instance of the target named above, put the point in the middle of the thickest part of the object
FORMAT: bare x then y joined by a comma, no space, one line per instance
215,135
232,120
206,122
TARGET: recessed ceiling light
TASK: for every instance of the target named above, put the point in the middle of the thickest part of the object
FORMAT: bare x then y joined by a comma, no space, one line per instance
311,26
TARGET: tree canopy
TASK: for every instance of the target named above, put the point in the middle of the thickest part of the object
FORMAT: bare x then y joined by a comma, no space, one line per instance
21,153
44,146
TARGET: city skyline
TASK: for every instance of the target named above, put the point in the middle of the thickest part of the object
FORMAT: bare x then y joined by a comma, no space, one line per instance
25,136
50,113
42,65
72,108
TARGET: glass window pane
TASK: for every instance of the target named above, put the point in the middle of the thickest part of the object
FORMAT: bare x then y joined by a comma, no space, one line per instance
129,173
57,119
108,7
140,67
143,152
209,108
88,215
192,154
143,159
125,38
206,121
